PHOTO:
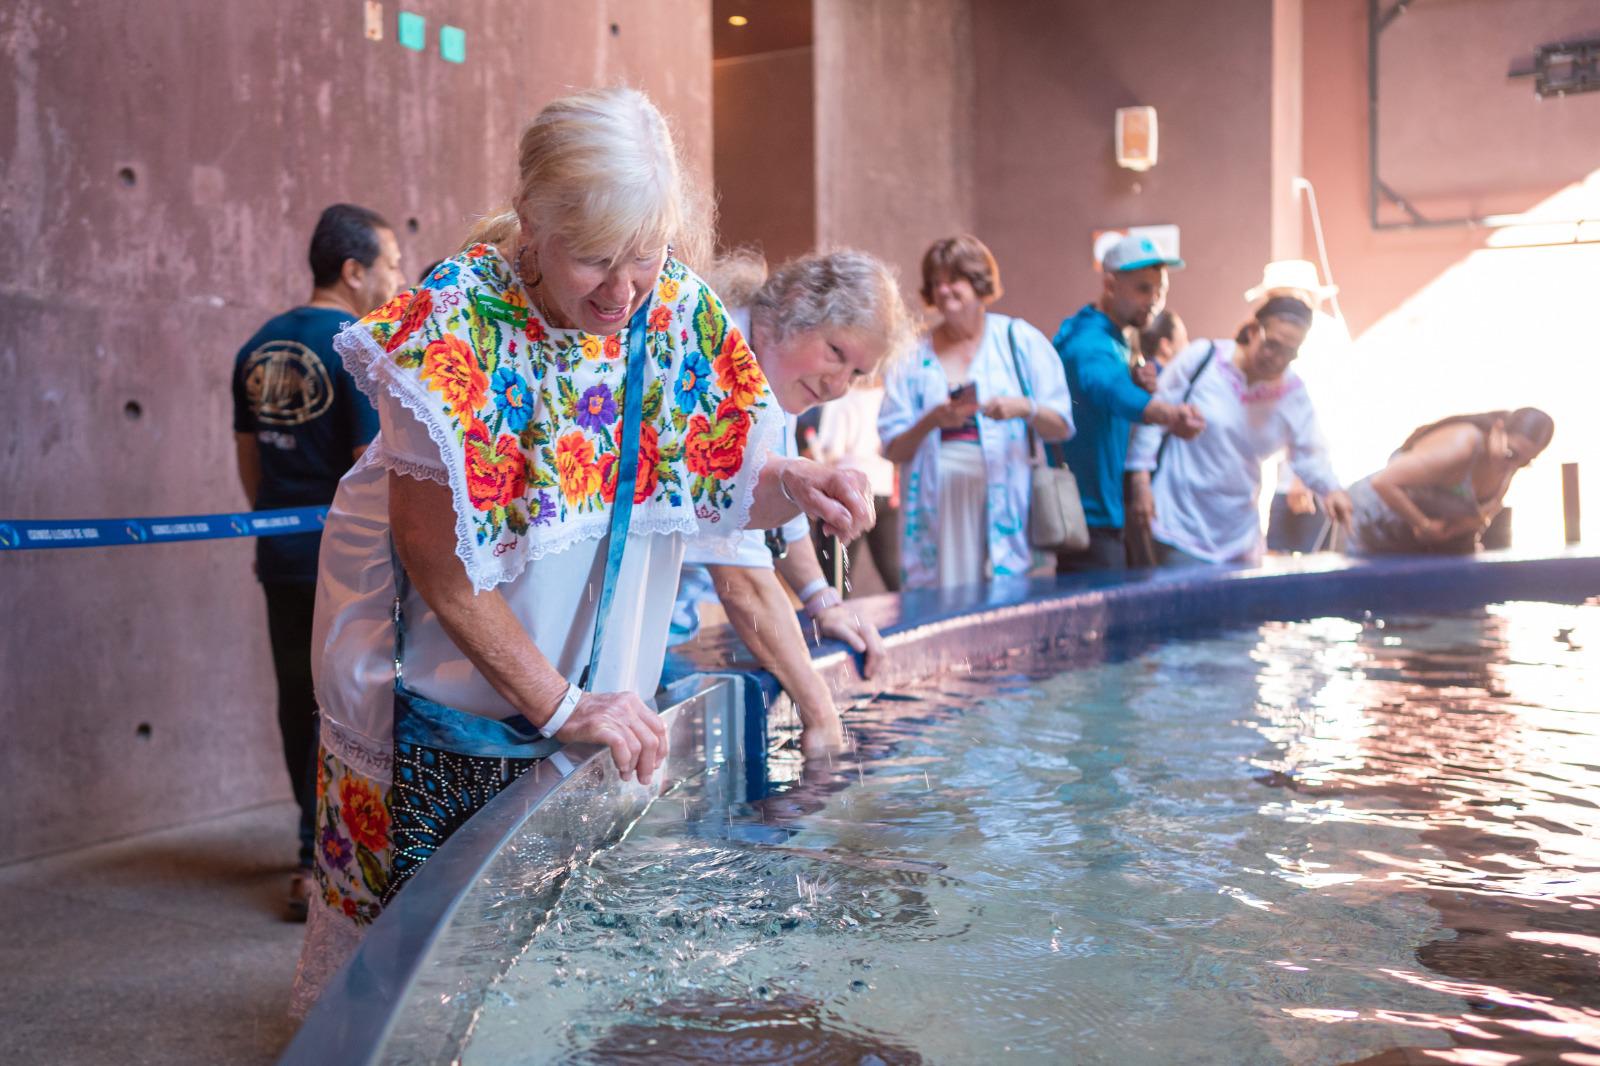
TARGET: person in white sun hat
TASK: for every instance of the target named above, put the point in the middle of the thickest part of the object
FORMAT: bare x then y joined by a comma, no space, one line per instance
1295,521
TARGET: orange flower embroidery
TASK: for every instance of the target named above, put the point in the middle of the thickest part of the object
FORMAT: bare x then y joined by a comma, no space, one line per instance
450,369
738,373
647,476
716,450
660,320
391,311
364,814
416,313
576,467
497,473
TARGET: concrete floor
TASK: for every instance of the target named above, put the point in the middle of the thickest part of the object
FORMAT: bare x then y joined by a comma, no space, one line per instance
164,948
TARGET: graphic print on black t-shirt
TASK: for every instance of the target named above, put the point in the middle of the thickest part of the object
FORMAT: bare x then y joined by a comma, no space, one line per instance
292,393
286,384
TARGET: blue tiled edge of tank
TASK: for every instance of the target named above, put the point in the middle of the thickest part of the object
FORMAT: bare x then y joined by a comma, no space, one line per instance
928,630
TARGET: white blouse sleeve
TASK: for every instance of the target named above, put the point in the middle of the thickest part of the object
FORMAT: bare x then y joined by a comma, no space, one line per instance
403,444
1047,380
1308,449
900,409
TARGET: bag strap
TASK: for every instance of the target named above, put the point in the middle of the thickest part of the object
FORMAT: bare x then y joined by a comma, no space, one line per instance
1035,443
1161,449
627,474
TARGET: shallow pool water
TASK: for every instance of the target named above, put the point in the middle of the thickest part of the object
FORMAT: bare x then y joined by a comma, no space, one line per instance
1311,842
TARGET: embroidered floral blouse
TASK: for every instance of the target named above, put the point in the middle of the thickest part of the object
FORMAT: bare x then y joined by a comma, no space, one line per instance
527,417
522,422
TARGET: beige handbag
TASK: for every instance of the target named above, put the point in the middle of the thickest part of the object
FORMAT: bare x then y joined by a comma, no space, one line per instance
1055,513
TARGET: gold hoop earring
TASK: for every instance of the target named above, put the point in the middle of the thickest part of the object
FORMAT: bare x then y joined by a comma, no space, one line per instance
522,269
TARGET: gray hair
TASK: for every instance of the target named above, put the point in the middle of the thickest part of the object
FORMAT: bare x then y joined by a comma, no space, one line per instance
844,289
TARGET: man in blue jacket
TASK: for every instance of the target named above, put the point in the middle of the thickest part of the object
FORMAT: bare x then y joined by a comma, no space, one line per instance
1106,401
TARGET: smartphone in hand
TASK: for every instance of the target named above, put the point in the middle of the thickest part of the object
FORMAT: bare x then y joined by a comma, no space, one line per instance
967,393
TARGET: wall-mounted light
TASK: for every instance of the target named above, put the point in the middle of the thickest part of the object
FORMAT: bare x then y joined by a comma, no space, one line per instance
738,20
1136,138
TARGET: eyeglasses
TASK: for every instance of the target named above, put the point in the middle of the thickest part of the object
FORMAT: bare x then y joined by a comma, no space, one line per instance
1277,350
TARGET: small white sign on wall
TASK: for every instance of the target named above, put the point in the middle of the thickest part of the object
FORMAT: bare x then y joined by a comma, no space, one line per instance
1165,236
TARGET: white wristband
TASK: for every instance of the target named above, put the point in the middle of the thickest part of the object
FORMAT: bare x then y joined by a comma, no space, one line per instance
564,709
814,586
821,601
1033,409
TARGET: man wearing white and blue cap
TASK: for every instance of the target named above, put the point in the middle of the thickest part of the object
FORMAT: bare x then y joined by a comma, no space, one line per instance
1106,402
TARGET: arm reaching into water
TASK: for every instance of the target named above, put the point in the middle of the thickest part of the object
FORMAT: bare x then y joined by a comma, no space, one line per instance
759,611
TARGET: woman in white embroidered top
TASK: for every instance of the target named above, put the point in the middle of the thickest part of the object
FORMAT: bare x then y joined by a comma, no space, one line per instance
956,418
1203,506
818,324
468,560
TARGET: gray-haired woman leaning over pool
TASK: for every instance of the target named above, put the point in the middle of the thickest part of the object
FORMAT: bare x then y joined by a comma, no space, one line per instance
818,325
550,439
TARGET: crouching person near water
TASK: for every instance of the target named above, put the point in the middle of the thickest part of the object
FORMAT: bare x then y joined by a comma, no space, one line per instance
497,574
818,325
1447,482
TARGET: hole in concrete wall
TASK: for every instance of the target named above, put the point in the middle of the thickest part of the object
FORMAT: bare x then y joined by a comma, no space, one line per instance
412,225
133,410
127,177
616,30
143,732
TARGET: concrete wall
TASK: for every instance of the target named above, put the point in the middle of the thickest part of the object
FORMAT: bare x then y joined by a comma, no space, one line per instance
237,123
1457,319
1050,77
894,127
765,155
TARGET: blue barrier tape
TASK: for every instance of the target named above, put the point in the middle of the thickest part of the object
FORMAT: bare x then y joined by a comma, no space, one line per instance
18,535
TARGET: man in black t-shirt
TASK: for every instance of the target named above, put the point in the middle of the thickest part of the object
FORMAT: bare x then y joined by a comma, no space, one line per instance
299,423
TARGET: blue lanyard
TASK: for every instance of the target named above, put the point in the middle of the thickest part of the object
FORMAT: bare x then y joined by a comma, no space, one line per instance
627,474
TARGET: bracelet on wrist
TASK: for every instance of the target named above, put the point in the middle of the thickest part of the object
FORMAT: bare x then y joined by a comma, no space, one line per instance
823,600
563,712
812,587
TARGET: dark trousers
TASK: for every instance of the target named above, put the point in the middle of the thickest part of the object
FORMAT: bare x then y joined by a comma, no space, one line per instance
289,610
1290,532
1105,552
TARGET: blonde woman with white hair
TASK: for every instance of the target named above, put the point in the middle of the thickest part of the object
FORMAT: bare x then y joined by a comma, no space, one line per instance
818,325
563,406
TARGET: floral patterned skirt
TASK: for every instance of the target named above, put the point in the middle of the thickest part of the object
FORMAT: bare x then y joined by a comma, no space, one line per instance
372,836
354,858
